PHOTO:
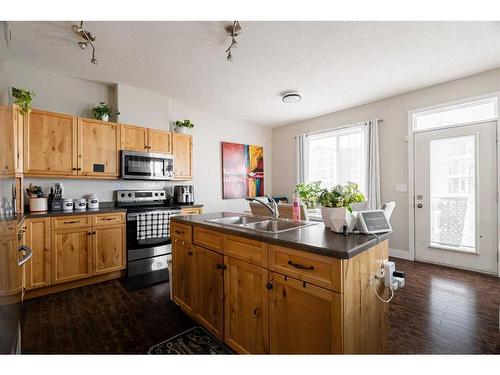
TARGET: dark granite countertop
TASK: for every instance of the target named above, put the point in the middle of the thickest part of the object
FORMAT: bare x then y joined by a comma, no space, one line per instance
100,210
315,238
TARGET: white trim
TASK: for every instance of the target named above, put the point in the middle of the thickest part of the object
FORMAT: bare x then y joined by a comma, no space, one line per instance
411,170
486,272
401,254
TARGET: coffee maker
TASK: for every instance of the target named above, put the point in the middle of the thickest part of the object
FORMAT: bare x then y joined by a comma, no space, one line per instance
184,194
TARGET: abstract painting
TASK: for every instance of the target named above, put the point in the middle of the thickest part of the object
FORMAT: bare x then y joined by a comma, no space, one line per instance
242,171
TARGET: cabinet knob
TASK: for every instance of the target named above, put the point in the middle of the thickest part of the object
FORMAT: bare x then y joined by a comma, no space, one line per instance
190,253
269,286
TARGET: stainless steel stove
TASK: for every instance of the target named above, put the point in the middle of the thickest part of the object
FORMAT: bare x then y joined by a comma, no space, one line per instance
147,257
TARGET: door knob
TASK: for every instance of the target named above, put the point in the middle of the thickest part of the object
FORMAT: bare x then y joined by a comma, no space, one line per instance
419,205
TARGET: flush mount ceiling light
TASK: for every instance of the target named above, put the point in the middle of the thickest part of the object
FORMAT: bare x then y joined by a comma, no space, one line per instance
87,37
291,97
233,31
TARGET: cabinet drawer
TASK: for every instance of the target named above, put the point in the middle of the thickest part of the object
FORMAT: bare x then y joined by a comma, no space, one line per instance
245,249
106,219
208,238
64,222
181,231
191,211
318,270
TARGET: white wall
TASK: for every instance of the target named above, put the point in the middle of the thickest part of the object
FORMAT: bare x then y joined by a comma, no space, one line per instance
393,147
60,93
65,94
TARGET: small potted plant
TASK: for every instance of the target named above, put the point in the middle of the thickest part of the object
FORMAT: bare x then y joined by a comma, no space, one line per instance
336,206
309,193
103,112
181,126
23,99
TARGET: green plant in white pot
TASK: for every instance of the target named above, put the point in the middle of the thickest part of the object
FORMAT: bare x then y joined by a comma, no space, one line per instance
336,206
23,99
103,112
181,126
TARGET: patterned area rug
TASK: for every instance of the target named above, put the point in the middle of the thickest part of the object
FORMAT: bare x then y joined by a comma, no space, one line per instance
193,341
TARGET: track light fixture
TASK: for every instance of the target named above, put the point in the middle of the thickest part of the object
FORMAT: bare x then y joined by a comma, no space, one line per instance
88,38
233,31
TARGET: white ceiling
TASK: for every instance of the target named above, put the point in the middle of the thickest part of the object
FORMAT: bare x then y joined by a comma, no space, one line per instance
333,65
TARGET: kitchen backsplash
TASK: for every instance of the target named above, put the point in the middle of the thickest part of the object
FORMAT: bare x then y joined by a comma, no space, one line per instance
104,189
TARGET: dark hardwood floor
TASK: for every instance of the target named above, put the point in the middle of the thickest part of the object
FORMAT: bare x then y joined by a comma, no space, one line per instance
440,310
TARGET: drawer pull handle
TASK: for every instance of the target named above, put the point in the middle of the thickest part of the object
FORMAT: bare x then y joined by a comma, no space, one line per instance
72,222
220,266
179,231
300,266
108,218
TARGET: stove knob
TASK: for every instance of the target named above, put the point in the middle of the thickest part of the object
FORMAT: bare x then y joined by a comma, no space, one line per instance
156,194
123,195
130,195
162,194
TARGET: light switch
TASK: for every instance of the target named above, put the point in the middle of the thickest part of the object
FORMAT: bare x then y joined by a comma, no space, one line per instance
401,188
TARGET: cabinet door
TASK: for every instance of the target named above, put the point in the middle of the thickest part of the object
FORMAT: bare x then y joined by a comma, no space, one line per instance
7,162
37,238
209,281
71,254
182,149
304,319
10,272
50,143
183,274
98,148
134,138
18,122
109,249
160,141
246,323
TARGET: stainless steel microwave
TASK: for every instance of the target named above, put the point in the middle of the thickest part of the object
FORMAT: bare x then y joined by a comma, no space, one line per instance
138,165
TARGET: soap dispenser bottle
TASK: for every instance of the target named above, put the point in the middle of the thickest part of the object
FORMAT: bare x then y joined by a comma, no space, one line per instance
296,208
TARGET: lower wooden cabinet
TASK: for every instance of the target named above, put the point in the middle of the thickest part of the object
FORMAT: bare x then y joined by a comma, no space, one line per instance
37,238
246,309
108,245
209,306
183,274
304,319
71,254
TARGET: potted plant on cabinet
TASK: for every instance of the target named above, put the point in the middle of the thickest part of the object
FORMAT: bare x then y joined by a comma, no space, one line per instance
181,126
23,99
309,193
336,206
103,112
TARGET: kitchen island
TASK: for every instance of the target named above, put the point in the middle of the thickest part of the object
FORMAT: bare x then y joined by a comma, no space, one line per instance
306,290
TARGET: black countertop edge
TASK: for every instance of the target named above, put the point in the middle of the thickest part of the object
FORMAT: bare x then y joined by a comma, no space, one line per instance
315,239
100,210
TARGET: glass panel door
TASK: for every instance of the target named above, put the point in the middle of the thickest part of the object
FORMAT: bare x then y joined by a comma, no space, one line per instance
453,193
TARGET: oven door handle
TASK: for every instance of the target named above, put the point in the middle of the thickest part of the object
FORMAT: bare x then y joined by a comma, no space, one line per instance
132,217
28,253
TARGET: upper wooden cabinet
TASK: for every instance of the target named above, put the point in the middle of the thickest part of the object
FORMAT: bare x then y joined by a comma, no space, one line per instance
134,138
160,141
50,144
8,120
182,149
18,124
98,148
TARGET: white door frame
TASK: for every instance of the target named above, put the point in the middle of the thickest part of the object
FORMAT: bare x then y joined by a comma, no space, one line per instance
411,167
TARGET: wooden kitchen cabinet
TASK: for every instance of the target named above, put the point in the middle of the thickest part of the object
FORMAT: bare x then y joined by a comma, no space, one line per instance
183,274
37,237
7,141
246,310
50,144
98,148
71,254
18,120
108,248
303,318
134,138
209,306
160,141
182,149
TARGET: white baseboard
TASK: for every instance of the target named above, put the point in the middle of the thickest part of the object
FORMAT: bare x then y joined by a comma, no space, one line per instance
401,254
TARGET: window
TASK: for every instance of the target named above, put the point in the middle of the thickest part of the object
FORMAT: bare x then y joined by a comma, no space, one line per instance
475,111
337,156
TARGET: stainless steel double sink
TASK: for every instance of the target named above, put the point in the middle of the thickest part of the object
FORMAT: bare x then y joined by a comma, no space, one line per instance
261,223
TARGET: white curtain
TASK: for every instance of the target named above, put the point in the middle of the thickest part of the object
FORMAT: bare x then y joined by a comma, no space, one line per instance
302,156
373,170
